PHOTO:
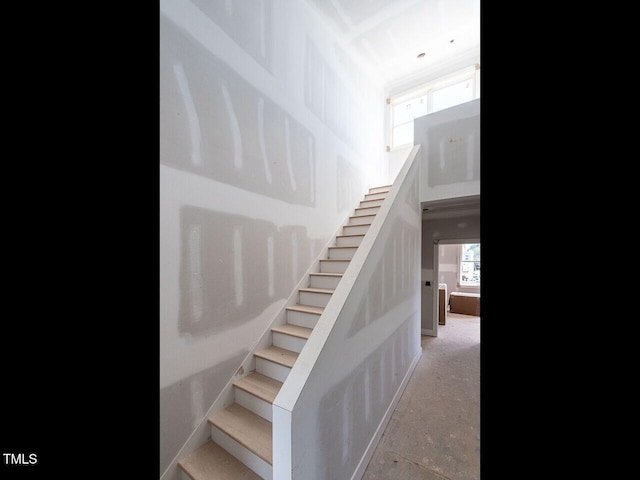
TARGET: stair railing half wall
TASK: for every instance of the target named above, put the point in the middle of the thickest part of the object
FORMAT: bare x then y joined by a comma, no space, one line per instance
331,411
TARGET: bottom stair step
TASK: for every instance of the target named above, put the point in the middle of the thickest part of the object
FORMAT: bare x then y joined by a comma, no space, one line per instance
211,462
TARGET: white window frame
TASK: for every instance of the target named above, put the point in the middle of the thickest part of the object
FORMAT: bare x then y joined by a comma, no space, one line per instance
459,273
470,73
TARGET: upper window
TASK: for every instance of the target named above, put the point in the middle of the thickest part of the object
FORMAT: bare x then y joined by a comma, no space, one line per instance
469,275
430,98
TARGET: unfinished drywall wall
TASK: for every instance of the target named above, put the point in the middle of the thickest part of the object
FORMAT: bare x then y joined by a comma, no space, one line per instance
396,159
448,267
341,389
456,228
270,133
451,151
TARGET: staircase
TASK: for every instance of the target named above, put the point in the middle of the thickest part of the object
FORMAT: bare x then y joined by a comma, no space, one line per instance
241,434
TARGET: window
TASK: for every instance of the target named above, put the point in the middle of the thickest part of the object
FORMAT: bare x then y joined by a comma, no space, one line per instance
452,95
430,98
403,115
469,275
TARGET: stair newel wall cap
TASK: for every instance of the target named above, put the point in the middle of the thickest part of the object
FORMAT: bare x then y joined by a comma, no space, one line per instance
295,383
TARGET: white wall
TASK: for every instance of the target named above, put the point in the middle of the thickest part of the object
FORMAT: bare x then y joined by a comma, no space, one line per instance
270,133
353,368
448,267
450,142
396,159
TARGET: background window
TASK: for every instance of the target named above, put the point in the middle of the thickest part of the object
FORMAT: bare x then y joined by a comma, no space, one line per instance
452,95
469,265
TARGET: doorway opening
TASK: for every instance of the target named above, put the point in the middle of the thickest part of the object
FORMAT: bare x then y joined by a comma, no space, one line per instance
457,274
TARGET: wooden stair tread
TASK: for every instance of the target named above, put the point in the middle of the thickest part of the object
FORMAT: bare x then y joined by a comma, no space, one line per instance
327,274
245,427
381,186
278,355
334,260
293,330
212,462
306,309
365,215
261,386
316,290
343,246
351,235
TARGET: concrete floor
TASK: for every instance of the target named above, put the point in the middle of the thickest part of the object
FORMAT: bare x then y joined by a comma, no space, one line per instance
434,433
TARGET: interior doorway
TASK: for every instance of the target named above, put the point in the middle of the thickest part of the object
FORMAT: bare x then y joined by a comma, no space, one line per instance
456,289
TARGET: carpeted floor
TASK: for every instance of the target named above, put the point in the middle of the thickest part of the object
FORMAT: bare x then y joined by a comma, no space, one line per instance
434,433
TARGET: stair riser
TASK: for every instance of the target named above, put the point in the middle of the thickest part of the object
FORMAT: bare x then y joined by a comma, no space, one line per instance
348,241
320,281
379,190
375,196
254,404
333,267
372,203
288,342
302,319
314,299
250,459
361,220
342,253
366,210
355,229
273,370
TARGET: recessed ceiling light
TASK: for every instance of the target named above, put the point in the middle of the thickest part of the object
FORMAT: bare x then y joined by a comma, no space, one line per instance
420,55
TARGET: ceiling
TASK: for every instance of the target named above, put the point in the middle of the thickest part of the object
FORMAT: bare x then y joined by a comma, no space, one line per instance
390,34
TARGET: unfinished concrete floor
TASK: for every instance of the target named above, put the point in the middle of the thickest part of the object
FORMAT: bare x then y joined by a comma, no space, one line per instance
434,433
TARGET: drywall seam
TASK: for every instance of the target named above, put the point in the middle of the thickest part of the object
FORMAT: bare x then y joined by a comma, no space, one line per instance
192,114
238,156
